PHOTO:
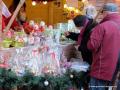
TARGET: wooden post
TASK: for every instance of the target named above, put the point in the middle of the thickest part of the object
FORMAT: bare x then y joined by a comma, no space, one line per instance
105,1
14,15
50,12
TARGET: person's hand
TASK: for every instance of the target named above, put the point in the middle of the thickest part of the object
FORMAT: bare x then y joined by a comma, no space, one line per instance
28,29
67,33
76,47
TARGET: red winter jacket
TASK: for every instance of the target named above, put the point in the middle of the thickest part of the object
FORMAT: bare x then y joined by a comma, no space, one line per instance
105,45
5,22
14,24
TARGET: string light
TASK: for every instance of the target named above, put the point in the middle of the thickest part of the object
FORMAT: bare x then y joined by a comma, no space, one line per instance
34,3
83,0
44,2
65,6
77,11
71,8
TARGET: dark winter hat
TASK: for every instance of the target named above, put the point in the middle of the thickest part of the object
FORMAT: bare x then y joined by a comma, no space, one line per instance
80,20
112,7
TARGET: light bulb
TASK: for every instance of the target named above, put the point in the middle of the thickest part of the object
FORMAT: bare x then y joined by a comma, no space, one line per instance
71,76
34,3
44,2
83,0
71,8
46,83
65,5
77,11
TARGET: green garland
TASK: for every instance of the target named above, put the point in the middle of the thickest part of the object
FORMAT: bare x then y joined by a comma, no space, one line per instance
78,79
53,83
9,80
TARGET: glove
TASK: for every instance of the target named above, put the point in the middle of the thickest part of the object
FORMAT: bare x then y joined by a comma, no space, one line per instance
66,33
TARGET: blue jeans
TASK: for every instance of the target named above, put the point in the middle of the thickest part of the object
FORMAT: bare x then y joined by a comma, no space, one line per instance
96,84
118,86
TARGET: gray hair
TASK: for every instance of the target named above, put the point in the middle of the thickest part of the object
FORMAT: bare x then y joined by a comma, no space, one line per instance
110,7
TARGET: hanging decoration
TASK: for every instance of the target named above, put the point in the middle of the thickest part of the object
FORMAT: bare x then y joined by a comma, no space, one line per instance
34,3
74,7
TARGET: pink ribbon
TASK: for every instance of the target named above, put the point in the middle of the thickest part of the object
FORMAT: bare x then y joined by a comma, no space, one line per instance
5,63
53,55
35,52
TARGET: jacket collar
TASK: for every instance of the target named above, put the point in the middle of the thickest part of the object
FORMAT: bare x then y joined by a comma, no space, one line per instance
113,16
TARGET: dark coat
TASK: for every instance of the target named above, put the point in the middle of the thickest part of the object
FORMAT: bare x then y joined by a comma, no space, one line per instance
105,45
84,37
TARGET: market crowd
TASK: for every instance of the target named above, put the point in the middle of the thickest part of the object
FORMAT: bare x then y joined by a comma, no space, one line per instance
99,44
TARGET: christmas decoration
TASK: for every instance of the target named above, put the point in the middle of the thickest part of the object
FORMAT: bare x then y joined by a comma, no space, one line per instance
71,76
78,79
9,80
46,83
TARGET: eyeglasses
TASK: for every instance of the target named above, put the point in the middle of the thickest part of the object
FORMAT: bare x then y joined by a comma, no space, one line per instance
103,11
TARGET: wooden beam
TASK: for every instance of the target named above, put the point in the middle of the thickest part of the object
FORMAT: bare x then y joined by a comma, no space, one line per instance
50,13
14,15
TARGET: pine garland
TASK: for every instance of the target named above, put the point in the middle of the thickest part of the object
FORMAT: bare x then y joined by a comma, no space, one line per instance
78,79
9,80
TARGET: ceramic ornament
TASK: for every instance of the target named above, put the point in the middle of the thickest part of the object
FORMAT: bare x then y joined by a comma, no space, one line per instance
50,27
32,23
46,83
31,39
36,27
42,23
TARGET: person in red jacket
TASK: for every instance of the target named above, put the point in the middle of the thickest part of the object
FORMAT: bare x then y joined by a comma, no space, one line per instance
6,16
3,24
105,45
15,26
21,17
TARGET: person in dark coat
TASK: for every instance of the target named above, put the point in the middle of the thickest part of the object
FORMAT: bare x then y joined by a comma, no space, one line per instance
82,22
104,43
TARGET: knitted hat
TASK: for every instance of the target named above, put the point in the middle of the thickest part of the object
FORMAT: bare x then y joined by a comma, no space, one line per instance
112,7
79,20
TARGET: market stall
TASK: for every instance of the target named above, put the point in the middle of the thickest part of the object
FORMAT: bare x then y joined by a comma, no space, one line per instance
34,58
